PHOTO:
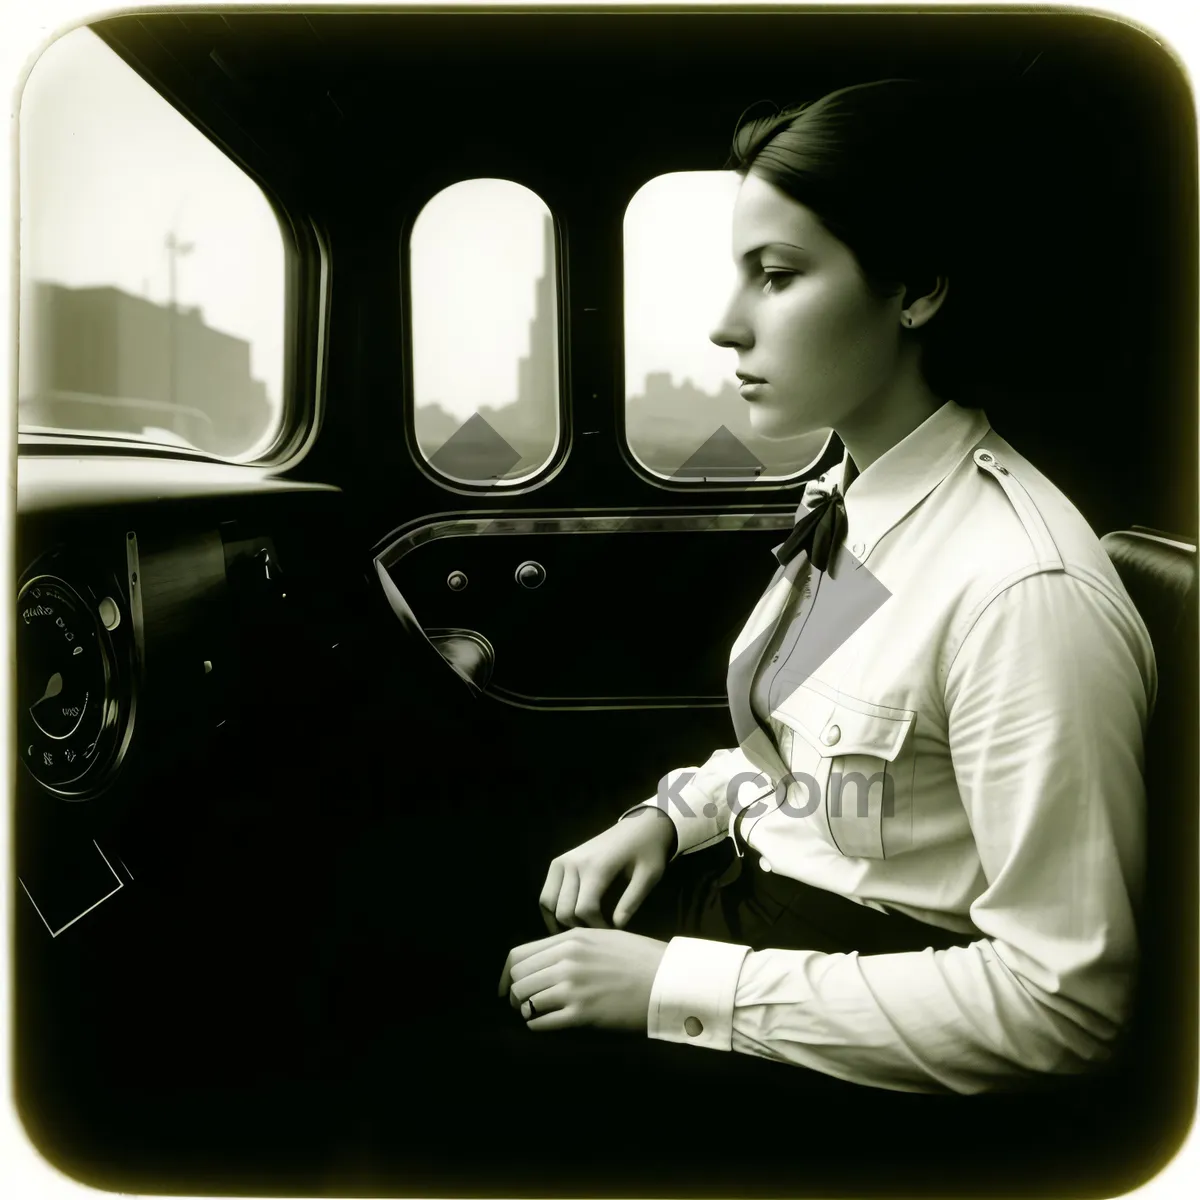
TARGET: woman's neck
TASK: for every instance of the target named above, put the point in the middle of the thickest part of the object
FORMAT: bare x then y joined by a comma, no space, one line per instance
887,418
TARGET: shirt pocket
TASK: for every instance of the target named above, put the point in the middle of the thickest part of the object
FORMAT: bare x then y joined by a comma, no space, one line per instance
852,766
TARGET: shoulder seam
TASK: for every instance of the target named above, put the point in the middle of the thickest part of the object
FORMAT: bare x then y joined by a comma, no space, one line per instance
1097,587
1007,583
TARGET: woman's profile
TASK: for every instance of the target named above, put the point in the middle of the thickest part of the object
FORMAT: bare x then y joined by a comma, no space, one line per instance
919,869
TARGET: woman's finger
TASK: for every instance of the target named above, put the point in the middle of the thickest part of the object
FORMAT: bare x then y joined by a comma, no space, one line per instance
506,975
519,955
547,975
546,1002
587,907
568,1017
564,910
640,885
548,900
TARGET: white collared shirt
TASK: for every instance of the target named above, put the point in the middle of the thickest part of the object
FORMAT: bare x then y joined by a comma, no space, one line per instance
1002,687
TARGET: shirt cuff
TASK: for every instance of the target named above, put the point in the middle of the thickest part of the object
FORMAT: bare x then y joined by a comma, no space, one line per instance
693,993
699,821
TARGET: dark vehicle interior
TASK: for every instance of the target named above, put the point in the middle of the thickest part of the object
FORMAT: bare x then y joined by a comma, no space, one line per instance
339,656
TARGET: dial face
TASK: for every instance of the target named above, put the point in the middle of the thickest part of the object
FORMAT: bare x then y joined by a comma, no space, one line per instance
63,682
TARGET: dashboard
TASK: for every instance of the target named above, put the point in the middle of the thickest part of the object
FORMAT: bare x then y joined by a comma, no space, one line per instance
125,638
174,653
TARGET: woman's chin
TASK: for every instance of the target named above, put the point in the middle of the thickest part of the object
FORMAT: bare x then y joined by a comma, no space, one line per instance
777,426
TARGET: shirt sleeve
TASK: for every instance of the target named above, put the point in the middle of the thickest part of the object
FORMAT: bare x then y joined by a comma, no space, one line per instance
1047,702
698,799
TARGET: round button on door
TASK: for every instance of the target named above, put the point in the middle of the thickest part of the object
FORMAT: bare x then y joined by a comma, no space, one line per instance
531,574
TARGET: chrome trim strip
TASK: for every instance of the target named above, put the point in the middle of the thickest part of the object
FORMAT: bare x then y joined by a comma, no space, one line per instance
399,543
594,704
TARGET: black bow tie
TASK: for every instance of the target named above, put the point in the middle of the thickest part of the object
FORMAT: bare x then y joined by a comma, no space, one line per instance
818,531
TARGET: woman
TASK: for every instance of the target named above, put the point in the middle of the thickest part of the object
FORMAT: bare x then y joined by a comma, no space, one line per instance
944,631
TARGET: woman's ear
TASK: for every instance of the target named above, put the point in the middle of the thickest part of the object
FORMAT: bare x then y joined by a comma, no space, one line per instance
926,300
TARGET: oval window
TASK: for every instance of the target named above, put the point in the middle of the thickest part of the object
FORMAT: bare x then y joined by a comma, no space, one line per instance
484,305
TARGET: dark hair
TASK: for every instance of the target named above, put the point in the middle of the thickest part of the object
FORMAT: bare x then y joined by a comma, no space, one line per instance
888,168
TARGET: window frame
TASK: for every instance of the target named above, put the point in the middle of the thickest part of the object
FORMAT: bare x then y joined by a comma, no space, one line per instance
306,297
563,441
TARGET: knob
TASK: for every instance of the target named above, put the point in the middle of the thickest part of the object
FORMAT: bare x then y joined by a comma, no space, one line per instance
110,614
456,581
531,574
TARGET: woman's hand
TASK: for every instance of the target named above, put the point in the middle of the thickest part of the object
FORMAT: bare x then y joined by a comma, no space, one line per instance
597,977
637,847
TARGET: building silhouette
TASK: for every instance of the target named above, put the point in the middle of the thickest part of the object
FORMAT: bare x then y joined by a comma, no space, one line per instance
100,360
516,437
536,409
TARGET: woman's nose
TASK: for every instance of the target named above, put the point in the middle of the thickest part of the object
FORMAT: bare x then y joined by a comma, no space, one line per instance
730,333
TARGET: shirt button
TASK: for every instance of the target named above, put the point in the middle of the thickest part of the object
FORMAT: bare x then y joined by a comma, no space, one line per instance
775,659
762,862
831,735
692,1027
858,548
984,456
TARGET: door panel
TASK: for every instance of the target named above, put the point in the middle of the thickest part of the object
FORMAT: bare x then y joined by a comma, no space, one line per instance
630,610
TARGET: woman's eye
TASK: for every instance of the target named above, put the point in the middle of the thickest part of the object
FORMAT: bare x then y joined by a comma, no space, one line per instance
777,278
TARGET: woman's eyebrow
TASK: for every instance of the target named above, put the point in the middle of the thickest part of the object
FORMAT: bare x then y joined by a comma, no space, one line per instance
767,246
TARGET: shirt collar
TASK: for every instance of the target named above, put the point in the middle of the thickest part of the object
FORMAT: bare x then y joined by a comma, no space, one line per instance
895,483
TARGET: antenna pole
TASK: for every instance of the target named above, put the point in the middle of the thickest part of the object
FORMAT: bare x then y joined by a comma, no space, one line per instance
175,250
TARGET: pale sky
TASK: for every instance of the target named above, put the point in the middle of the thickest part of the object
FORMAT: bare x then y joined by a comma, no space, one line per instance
679,274
475,258
108,168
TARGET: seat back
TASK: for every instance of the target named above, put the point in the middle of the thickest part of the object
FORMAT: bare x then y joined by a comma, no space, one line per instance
1159,570
1159,573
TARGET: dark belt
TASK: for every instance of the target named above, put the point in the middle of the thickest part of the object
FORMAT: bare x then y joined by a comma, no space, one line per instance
790,911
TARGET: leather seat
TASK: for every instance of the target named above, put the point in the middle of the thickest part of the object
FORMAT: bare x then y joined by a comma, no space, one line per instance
1157,1062
1159,572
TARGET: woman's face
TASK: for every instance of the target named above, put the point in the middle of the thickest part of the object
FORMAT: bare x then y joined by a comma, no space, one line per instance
802,318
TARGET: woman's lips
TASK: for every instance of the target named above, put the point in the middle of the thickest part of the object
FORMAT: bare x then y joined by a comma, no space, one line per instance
751,390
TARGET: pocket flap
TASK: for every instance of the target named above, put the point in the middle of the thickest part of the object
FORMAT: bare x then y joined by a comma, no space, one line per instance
844,725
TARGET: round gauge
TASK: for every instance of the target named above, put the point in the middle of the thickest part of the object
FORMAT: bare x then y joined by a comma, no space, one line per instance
65,706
